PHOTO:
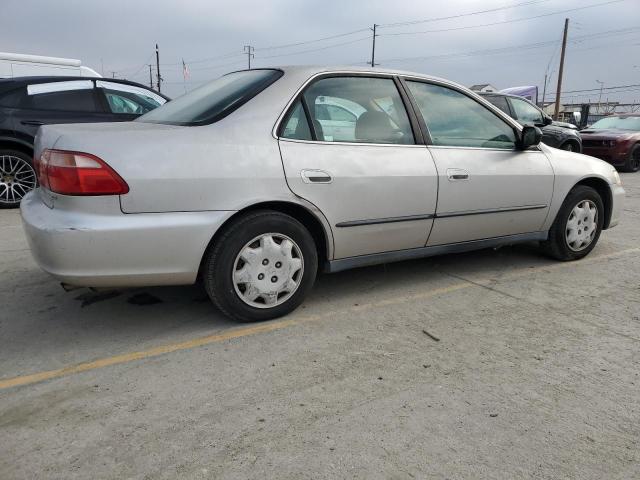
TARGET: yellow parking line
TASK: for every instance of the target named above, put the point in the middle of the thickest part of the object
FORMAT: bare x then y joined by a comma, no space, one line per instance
152,352
271,326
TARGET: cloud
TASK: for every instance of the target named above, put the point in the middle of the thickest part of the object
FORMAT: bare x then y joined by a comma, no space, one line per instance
122,36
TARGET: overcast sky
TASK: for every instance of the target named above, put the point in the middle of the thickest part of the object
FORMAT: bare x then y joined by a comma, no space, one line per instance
210,36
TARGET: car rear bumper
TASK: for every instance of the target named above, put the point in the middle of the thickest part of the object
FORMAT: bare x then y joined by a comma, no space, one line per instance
108,248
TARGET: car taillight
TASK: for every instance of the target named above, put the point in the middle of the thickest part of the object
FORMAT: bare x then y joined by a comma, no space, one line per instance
77,173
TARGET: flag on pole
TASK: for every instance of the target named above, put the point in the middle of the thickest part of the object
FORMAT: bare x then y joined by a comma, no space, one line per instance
185,71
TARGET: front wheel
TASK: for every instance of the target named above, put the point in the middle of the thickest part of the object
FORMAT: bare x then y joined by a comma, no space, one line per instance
17,178
570,147
261,267
633,161
578,225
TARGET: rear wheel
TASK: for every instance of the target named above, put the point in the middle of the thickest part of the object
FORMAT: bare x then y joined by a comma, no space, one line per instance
578,225
261,267
17,177
633,162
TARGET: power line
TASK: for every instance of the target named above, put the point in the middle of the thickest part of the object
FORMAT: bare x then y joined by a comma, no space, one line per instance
316,49
479,12
297,44
597,89
219,57
353,32
214,67
491,51
523,19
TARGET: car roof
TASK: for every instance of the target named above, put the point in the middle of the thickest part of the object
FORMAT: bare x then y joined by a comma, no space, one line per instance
7,84
311,70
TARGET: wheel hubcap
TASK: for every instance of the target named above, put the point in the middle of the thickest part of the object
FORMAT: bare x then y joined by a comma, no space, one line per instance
582,225
268,270
17,178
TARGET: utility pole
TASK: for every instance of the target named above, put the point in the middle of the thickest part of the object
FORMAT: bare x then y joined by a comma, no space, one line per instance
373,47
600,97
544,91
159,78
559,89
150,78
248,49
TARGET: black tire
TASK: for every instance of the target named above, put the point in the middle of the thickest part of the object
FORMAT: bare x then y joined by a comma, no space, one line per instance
220,262
557,246
14,188
570,146
633,161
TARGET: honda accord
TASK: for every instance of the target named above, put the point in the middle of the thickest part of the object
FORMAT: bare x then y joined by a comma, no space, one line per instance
257,180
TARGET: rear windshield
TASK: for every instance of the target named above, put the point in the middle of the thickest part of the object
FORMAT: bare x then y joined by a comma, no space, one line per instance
213,101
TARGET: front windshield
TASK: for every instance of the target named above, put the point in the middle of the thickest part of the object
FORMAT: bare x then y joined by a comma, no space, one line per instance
213,101
620,123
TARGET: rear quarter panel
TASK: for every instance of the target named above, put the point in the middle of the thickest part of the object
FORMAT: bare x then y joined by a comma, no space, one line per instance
227,165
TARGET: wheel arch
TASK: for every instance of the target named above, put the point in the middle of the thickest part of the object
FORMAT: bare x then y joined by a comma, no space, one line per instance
321,236
574,142
603,189
15,144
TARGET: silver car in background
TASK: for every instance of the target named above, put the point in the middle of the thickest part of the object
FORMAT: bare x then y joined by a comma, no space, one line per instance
238,184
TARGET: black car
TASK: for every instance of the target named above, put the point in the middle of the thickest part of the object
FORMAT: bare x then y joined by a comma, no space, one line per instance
28,102
526,112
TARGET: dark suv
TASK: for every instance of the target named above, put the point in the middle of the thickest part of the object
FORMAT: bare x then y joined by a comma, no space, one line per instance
28,102
526,112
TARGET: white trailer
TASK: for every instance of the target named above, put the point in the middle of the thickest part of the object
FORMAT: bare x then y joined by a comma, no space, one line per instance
21,65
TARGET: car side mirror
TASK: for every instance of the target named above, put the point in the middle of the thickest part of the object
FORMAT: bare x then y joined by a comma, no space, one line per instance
529,137
547,120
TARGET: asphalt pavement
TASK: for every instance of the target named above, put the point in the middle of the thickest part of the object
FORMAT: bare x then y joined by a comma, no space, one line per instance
497,364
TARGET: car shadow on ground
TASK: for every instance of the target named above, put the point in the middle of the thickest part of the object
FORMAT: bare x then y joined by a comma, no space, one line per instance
194,304
82,324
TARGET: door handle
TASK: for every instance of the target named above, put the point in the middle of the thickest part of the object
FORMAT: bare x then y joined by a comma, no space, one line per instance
35,123
316,176
457,174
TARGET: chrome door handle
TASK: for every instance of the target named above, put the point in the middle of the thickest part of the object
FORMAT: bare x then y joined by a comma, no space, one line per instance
316,176
456,174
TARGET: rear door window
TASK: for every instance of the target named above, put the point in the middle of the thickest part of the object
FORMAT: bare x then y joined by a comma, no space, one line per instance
295,124
358,110
71,96
500,102
129,99
14,98
525,112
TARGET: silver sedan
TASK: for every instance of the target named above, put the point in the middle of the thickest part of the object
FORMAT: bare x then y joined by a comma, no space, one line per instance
258,180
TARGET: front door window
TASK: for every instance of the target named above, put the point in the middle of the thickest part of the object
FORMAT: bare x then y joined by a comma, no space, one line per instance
456,120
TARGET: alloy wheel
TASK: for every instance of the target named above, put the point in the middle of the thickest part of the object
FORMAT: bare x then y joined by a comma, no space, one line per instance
17,178
582,225
268,270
